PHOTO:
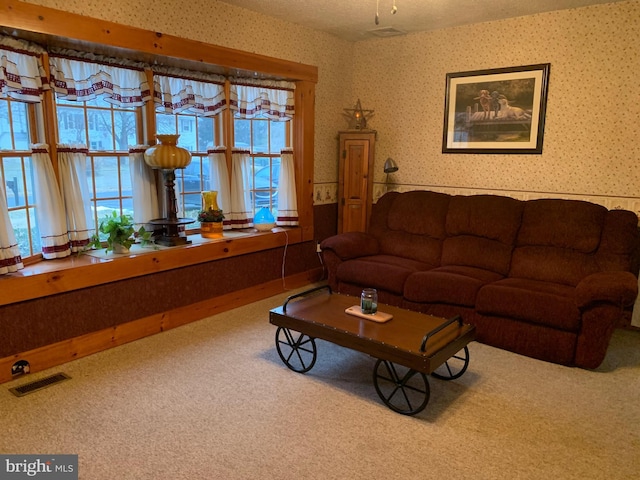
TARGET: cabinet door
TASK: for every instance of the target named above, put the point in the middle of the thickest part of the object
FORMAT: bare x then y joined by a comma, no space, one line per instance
355,183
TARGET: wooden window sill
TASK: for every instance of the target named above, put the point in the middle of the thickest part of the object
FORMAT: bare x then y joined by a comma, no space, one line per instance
51,277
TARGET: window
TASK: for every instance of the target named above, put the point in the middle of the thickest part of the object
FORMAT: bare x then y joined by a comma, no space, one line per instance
197,134
16,173
265,139
108,131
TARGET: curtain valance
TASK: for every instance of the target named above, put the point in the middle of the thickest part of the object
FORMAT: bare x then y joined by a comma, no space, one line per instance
271,99
177,94
22,76
82,80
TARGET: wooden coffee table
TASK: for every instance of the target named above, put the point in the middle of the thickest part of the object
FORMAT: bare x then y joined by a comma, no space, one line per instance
408,347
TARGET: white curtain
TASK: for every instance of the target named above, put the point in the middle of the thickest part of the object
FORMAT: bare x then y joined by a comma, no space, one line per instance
240,214
82,80
72,170
144,186
287,201
49,206
178,94
22,75
271,99
219,181
10,259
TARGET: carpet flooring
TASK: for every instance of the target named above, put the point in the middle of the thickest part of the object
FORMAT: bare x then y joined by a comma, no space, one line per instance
212,400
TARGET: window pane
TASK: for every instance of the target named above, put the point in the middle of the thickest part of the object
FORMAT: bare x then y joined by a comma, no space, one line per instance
125,176
6,142
206,170
205,133
278,136
260,136
100,130
165,123
106,176
71,125
242,132
14,181
106,208
125,130
18,219
36,241
127,206
20,125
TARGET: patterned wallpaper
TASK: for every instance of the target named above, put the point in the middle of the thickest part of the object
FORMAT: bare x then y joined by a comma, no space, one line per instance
592,124
591,133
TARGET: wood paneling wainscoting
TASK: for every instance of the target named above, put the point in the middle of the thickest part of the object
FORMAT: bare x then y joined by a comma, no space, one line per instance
53,317
70,349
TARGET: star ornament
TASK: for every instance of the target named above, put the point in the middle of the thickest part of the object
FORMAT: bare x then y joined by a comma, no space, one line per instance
358,116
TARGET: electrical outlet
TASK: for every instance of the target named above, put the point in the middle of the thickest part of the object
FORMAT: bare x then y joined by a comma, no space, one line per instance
318,249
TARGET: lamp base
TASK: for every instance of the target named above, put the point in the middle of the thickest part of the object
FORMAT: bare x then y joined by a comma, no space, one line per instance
171,236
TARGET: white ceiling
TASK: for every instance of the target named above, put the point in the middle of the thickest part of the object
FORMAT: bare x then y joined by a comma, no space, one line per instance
354,20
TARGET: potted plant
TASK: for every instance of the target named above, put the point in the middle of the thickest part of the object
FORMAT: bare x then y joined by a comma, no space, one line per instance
211,223
120,232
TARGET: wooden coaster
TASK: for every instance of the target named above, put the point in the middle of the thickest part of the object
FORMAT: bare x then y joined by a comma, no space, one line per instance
379,316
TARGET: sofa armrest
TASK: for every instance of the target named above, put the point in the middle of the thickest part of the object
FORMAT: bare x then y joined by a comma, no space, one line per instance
351,245
618,288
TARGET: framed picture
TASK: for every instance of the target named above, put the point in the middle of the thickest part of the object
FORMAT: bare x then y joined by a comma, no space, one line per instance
500,110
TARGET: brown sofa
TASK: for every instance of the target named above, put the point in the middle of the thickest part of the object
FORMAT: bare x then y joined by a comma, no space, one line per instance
550,278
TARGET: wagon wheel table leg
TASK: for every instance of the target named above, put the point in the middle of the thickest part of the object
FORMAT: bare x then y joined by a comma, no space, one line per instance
402,389
454,367
297,350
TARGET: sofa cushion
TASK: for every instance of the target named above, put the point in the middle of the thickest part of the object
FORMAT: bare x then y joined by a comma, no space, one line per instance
552,264
487,216
544,303
571,224
481,231
454,285
420,213
413,225
619,243
477,252
379,271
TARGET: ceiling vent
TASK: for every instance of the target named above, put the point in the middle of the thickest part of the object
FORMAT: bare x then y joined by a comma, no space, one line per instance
386,32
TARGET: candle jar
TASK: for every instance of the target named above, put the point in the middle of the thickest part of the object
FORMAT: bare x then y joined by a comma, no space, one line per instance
369,301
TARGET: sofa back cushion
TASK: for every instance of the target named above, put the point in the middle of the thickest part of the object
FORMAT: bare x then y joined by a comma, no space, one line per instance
481,231
619,245
411,225
557,240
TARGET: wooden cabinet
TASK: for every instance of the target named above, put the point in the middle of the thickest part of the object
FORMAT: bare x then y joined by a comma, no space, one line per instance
355,179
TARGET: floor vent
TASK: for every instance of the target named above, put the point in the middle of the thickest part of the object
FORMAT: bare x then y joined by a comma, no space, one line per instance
39,384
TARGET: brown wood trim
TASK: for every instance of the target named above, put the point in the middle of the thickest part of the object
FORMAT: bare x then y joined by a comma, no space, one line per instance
35,18
75,348
81,271
304,136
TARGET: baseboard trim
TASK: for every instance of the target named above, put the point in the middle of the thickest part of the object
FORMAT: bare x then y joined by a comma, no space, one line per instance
74,348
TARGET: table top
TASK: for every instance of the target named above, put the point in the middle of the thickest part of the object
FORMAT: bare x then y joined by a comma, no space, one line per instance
321,314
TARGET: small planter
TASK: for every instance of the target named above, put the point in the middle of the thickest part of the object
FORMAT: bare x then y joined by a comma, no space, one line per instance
211,229
118,248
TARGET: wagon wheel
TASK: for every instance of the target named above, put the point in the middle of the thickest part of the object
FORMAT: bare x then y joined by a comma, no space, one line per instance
454,367
296,350
402,389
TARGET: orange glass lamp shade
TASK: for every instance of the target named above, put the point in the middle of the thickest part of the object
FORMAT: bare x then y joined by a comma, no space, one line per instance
167,155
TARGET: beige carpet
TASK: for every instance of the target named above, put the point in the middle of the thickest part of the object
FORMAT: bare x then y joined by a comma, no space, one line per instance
212,400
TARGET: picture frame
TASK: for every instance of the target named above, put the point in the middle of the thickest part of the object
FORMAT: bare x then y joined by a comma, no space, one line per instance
500,110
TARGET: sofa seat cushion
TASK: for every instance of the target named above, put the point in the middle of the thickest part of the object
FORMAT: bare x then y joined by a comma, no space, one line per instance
384,272
534,301
454,285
